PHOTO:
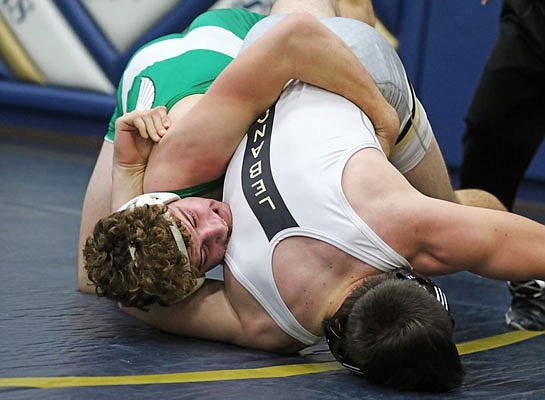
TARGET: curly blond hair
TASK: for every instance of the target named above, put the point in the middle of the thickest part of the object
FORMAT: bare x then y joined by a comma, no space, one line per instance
155,276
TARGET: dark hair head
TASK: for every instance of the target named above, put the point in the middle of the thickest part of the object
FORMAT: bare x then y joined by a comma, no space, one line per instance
154,274
400,336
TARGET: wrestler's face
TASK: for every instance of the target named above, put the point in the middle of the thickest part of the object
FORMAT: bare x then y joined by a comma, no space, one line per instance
209,222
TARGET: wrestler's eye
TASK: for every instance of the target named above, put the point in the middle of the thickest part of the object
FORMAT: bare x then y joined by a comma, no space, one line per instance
193,219
189,216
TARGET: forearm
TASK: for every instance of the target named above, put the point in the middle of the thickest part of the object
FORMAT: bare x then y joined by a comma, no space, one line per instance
298,47
491,243
314,54
322,59
127,183
135,133
517,248
96,205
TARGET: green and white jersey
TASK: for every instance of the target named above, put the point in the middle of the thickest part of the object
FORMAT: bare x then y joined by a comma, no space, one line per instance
181,64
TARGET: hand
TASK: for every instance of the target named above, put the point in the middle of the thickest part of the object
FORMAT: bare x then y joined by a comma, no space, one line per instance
484,2
136,132
386,128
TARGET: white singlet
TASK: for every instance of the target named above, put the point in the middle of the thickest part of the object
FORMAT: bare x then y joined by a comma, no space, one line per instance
285,180
383,64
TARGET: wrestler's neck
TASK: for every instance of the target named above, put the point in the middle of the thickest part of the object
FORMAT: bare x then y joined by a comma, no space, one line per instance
349,274
338,297
351,277
306,268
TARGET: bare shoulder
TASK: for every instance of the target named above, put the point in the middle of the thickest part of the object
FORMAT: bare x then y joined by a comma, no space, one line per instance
220,312
258,329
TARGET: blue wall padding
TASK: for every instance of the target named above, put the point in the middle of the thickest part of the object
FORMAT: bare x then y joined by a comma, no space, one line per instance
443,44
408,21
176,20
53,122
19,101
19,95
91,35
390,14
459,40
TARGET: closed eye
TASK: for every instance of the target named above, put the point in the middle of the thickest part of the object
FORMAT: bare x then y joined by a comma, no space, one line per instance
193,219
190,217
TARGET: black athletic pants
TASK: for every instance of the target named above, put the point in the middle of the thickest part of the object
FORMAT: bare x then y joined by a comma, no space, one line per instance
505,123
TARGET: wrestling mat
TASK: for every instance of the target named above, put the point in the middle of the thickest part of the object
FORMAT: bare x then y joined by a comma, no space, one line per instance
57,343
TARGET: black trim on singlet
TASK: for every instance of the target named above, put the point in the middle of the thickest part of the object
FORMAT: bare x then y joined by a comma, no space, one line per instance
258,183
409,122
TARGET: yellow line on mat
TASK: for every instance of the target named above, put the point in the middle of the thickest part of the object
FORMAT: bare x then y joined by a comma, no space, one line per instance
280,371
493,342
183,377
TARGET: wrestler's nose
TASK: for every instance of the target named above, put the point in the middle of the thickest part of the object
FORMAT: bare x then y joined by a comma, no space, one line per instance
214,231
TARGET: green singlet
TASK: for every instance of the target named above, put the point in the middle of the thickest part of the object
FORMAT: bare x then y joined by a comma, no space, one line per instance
178,65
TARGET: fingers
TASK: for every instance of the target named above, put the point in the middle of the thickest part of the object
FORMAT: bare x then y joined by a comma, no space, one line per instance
157,123
138,121
153,124
150,124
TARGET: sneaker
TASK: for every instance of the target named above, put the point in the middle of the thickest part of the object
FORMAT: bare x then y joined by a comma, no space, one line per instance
527,311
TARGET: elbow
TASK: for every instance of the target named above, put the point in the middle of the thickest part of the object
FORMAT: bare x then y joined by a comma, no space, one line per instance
126,310
85,288
133,312
85,285
301,24
296,28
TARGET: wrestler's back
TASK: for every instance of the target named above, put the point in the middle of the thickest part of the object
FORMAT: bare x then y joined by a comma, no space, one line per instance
289,213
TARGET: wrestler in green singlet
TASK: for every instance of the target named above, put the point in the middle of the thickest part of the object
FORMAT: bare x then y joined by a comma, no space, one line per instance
181,64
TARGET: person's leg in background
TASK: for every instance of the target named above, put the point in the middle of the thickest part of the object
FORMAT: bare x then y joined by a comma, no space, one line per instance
505,126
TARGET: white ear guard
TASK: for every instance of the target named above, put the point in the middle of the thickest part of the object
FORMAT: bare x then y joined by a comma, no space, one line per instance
165,198
150,199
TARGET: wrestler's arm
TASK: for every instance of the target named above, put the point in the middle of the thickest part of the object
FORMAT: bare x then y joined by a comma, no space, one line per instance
301,47
298,47
495,244
135,133
96,204
206,314
132,133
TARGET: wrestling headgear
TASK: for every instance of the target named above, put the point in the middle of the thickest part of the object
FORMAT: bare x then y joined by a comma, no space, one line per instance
334,327
165,198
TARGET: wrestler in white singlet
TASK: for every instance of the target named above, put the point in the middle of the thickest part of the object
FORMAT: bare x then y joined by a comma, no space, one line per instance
285,180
